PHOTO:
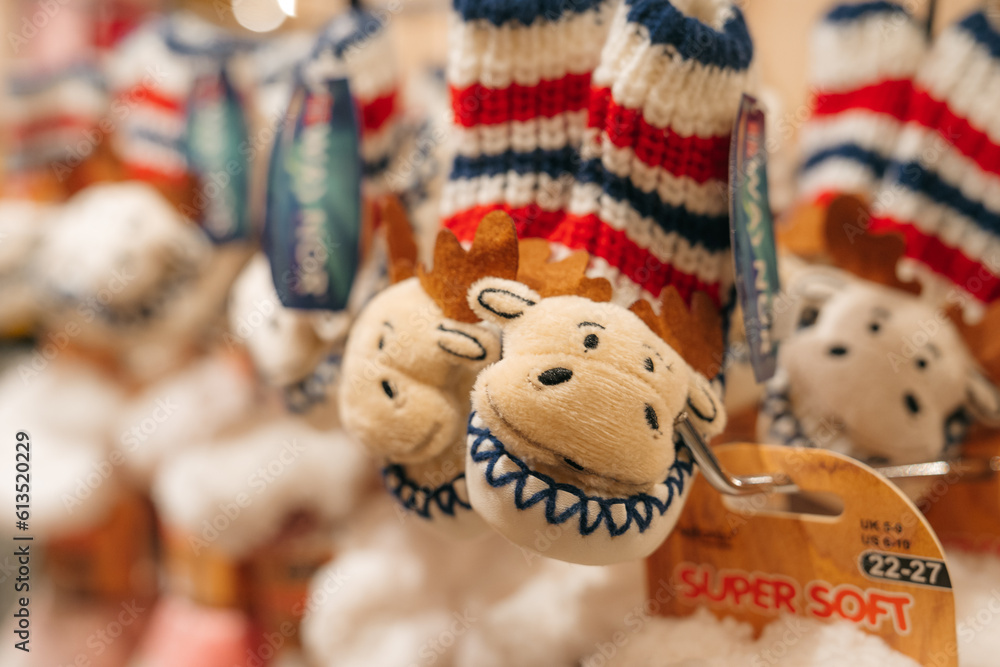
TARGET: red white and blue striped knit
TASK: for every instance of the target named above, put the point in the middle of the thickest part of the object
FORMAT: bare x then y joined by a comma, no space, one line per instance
943,187
643,188
156,69
864,57
519,74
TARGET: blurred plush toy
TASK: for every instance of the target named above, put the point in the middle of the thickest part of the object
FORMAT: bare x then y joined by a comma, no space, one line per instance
868,365
22,224
148,284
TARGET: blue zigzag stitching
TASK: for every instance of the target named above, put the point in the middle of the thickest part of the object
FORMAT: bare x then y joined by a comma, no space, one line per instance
638,508
409,493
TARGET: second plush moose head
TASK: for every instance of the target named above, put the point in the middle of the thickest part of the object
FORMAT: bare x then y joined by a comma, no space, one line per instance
411,360
572,447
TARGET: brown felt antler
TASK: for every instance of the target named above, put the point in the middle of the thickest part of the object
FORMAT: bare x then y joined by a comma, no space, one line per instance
493,253
695,332
853,247
399,238
981,338
562,278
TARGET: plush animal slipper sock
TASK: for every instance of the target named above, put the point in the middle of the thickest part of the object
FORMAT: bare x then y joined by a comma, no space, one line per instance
863,60
650,203
943,191
519,74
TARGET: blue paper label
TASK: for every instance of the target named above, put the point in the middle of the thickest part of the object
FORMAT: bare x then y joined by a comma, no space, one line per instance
752,232
313,226
214,144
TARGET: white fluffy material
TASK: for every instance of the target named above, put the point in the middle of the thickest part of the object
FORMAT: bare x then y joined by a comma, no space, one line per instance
976,581
66,408
705,641
236,492
180,411
398,594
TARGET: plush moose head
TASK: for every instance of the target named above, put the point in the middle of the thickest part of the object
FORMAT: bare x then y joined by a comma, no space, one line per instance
410,363
574,426
866,366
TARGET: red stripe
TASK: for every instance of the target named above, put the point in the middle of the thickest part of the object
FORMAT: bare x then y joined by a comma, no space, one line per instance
152,97
888,97
900,100
636,263
966,273
968,140
531,221
136,172
700,158
29,130
481,105
375,113
590,234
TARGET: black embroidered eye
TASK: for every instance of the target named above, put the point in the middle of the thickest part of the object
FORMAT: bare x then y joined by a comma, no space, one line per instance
651,419
591,341
921,363
874,327
808,317
387,388
648,364
381,342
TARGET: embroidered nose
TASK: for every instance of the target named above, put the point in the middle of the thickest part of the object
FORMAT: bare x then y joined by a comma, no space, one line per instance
555,376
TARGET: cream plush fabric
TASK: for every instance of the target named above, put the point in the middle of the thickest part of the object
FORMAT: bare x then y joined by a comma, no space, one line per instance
406,378
572,433
872,372
22,224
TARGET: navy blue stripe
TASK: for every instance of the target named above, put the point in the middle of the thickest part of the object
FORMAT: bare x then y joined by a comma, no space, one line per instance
525,12
371,168
980,29
918,178
144,134
732,48
876,162
556,163
34,82
853,12
710,231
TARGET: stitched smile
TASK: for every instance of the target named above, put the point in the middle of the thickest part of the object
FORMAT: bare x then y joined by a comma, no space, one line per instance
537,445
560,501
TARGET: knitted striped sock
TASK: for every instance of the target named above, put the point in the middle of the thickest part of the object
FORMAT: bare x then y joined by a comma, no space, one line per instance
519,74
943,189
864,57
651,203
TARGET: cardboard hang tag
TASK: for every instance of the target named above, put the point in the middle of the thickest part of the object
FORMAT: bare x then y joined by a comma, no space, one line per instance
965,509
878,564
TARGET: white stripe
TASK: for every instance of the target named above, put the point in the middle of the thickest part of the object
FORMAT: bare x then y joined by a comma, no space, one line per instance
709,198
78,97
559,131
850,55
838,174
873,131
513,189
152,155
961,72
933,219
376,145
156,119
928,148
691,98
480,52
667,247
